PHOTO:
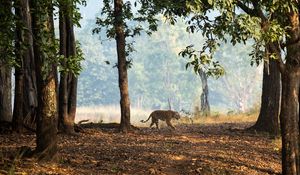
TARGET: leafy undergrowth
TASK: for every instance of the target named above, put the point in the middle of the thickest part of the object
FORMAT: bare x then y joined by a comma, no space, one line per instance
191,149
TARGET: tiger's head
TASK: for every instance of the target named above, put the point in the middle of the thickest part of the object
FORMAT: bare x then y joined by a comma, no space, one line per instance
176,115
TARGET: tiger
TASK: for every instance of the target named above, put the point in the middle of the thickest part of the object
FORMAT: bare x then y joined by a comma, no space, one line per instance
163,115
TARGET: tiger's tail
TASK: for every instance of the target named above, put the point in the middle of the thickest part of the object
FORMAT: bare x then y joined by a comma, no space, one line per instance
144,121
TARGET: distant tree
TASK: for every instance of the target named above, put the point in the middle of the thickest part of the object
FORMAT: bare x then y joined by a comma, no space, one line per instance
236,93
115,22
159,73
204,102
122,65
204,66
6,58
70,64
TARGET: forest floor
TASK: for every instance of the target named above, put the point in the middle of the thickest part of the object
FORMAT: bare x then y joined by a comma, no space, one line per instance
190,149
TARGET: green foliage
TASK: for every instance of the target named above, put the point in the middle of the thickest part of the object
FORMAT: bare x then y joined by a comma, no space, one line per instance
199,60
257,53
44,40
71,9
240,80
159,73
133,24
240,21
73,63
7,26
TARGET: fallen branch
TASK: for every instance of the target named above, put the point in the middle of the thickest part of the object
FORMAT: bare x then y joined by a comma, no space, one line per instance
82,121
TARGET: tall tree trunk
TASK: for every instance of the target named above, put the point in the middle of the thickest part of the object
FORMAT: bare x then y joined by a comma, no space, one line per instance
46,80
268,120
289,114
25,100
6,54
63,88
5,93
30,86
205,108
125,125
68,81
25,85
289,119
72,100
17,122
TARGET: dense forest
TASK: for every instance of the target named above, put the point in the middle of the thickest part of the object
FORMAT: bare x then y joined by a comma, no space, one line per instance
157,67
184,61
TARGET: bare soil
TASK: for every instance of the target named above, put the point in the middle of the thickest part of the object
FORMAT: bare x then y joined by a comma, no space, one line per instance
190,149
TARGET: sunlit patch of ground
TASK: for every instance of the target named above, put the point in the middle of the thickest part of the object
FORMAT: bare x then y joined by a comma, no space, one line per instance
191,149
108,114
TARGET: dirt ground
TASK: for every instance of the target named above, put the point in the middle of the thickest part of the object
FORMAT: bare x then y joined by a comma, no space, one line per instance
190,149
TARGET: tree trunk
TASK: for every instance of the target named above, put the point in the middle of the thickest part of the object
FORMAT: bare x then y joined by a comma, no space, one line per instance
17,122
72,101
268,120
122,67
68,81
289,114
169,104
25,100
6,53
63,88
46,83
5,93
30,87
205,108
289,120
72,81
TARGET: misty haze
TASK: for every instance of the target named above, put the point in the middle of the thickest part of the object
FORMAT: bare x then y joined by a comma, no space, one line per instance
158,87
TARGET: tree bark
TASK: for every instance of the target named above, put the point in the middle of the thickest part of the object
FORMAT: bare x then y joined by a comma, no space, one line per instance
72,101
72,79
17,121
46,133
268,119
289,114
6,24
30,87
5,93
125,125
205,107
63,88
289,120
25,100
68,81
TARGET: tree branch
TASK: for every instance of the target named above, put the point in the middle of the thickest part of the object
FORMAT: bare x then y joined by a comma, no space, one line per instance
259,12
285,44
274,48
246,9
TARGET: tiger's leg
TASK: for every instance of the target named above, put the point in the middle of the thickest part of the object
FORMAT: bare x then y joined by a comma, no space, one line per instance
156,123
154,120
170,124
152,123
